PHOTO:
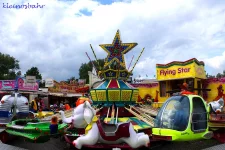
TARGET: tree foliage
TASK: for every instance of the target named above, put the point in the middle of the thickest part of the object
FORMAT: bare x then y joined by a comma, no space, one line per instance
8,67
209,76
218,75
84,68
33,71
71,79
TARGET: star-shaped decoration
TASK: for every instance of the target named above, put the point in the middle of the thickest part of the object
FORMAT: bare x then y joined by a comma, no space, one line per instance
110,74
116,50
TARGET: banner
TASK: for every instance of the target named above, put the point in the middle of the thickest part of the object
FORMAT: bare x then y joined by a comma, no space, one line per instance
49,82
22,86
10,85
30,79
191,70
78,87
7,84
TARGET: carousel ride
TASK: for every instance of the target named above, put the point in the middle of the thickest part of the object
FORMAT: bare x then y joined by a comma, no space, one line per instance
17,121
12,107
119,122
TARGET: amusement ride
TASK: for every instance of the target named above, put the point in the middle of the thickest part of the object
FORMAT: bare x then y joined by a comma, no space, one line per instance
112,117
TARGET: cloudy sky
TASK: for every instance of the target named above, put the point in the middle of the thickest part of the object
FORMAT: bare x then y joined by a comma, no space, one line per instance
55,38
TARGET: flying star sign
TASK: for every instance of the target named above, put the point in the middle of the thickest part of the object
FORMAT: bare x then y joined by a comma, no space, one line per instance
116,50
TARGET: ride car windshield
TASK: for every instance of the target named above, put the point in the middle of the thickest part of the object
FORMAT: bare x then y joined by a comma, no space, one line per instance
174,114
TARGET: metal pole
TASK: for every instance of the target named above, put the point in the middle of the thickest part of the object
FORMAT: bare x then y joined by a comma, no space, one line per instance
117,114
107,114
15,98
95,56
137,60
130,62
15,103
112,114
92,63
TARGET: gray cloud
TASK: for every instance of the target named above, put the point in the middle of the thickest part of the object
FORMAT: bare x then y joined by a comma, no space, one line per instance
55,39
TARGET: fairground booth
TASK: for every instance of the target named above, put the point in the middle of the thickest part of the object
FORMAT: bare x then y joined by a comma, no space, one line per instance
171,76
26,89
66,92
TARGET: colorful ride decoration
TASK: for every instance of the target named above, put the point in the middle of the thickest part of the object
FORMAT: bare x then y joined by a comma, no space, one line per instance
113,90
115,66
82,89
220,92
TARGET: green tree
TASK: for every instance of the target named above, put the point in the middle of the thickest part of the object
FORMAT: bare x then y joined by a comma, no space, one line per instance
8,67
70,79
220,75
209,76
42,84
84,68
33,71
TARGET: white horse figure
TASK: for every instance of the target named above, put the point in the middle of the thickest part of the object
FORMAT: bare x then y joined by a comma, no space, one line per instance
85,116
17,100
217,106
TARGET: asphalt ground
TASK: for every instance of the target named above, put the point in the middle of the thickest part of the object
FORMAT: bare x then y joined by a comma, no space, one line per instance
57,144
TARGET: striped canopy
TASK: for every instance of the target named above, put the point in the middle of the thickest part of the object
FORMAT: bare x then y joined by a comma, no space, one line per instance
114,84
114,91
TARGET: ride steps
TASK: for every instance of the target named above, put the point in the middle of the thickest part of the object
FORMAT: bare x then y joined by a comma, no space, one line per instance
148,111
142,117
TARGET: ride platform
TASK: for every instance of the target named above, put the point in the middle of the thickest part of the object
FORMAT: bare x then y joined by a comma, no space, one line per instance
68,113
217,120
217,125
43,114
137,124
32,129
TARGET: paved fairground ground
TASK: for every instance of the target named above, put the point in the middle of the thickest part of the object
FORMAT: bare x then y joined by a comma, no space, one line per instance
57,144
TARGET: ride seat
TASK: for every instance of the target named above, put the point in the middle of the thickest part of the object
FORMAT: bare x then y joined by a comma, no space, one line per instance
113,132
110,129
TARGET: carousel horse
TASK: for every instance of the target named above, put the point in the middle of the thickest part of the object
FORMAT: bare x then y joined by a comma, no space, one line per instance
217,106
84,116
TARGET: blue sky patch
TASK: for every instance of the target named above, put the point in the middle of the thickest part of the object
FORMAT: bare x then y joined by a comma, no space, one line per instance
86,12
105,2
67,0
